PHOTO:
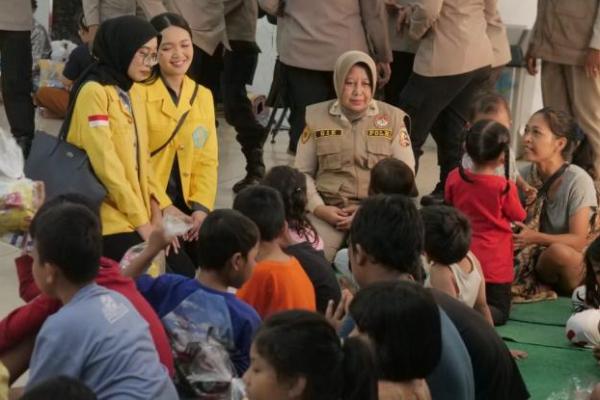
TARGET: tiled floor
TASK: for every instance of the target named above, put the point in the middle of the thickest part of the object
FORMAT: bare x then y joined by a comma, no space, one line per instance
231,169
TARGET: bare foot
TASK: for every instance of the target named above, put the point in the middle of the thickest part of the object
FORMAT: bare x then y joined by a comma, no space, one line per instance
519,354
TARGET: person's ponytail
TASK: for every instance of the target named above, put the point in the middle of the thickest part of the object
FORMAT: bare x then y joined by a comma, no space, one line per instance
359,372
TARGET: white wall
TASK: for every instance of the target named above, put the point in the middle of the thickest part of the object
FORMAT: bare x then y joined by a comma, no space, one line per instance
43,12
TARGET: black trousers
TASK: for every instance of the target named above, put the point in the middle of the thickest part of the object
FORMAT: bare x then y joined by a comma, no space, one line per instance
115,246
239,66
499,301
440,105
16,62
303,88
402,68
206,70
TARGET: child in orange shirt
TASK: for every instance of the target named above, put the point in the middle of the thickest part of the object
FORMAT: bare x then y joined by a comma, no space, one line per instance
278,282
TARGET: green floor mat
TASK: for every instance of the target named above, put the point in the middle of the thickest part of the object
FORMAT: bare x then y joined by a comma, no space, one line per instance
550,373
551,312
525,332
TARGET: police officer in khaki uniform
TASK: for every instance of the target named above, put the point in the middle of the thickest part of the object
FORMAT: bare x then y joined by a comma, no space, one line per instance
342,141
239,66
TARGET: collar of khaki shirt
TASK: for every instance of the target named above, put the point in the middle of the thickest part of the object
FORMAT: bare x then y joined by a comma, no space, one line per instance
336,109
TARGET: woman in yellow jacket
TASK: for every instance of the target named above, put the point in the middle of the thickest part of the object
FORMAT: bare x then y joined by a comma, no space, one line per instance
109,123
181,126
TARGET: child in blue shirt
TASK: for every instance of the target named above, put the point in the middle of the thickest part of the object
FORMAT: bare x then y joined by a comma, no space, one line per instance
97,336
227,248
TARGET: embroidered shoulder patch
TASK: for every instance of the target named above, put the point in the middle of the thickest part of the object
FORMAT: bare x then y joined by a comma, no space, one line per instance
305,135
321,133
97,120
384,133
404,139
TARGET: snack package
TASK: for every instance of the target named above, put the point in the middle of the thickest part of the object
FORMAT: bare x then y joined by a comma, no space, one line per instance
20,197
156,268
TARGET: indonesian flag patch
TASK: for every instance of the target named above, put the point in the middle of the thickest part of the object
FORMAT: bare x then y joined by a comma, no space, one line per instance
95,121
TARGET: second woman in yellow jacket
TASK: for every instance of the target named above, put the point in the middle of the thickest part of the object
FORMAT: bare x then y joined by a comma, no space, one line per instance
185,164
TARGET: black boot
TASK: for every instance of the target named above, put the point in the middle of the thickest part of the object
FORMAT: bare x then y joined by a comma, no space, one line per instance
255,170
434,198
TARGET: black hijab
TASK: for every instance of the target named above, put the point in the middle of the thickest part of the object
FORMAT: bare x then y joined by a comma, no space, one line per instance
115,45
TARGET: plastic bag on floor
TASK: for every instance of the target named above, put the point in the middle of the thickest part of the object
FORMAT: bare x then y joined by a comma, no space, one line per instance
20,197
576,389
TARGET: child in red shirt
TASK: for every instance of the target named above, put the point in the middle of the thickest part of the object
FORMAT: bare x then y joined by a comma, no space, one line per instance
278,282
491,203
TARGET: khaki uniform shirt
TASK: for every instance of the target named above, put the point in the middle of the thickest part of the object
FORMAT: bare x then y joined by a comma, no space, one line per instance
453,37
564,30
337,156
16,15
400,40
496,32
240,19
98,11
312,34
206,19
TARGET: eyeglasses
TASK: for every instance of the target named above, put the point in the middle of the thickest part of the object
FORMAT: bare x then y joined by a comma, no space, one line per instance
149,59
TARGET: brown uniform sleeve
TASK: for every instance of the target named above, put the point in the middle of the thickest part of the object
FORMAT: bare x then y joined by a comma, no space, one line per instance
401,146
306,162
424,14
375,18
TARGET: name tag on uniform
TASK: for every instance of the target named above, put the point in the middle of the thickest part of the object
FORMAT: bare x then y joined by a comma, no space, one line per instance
327,133
384,133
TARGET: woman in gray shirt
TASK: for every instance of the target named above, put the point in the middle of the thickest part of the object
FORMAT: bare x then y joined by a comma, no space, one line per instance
553,241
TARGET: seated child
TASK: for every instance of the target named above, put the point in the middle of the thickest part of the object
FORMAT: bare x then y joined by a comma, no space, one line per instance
25,321
278,282
227,248
61,388
56,100
97,336
491,203
297,355
401,321
583,327
453,268
300,239
388,176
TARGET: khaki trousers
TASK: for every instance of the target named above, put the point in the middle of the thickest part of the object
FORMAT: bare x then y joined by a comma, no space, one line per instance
567,88
332,238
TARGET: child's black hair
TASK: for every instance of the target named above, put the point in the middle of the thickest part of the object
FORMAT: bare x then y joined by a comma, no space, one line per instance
222,234
447,234
263,205
592,290
291,185
60,388
303,344
402,320
578,149
486,141
68,235
389,229
487,103
392,176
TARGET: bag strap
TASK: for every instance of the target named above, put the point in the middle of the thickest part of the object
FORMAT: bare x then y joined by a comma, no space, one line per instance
179,123
543,192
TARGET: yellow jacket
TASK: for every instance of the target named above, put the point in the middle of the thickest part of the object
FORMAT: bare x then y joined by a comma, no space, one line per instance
195,144
116,143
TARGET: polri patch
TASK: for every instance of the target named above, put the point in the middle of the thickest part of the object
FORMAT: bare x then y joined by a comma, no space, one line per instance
384,133
404,139
382,120
321,133
305,135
